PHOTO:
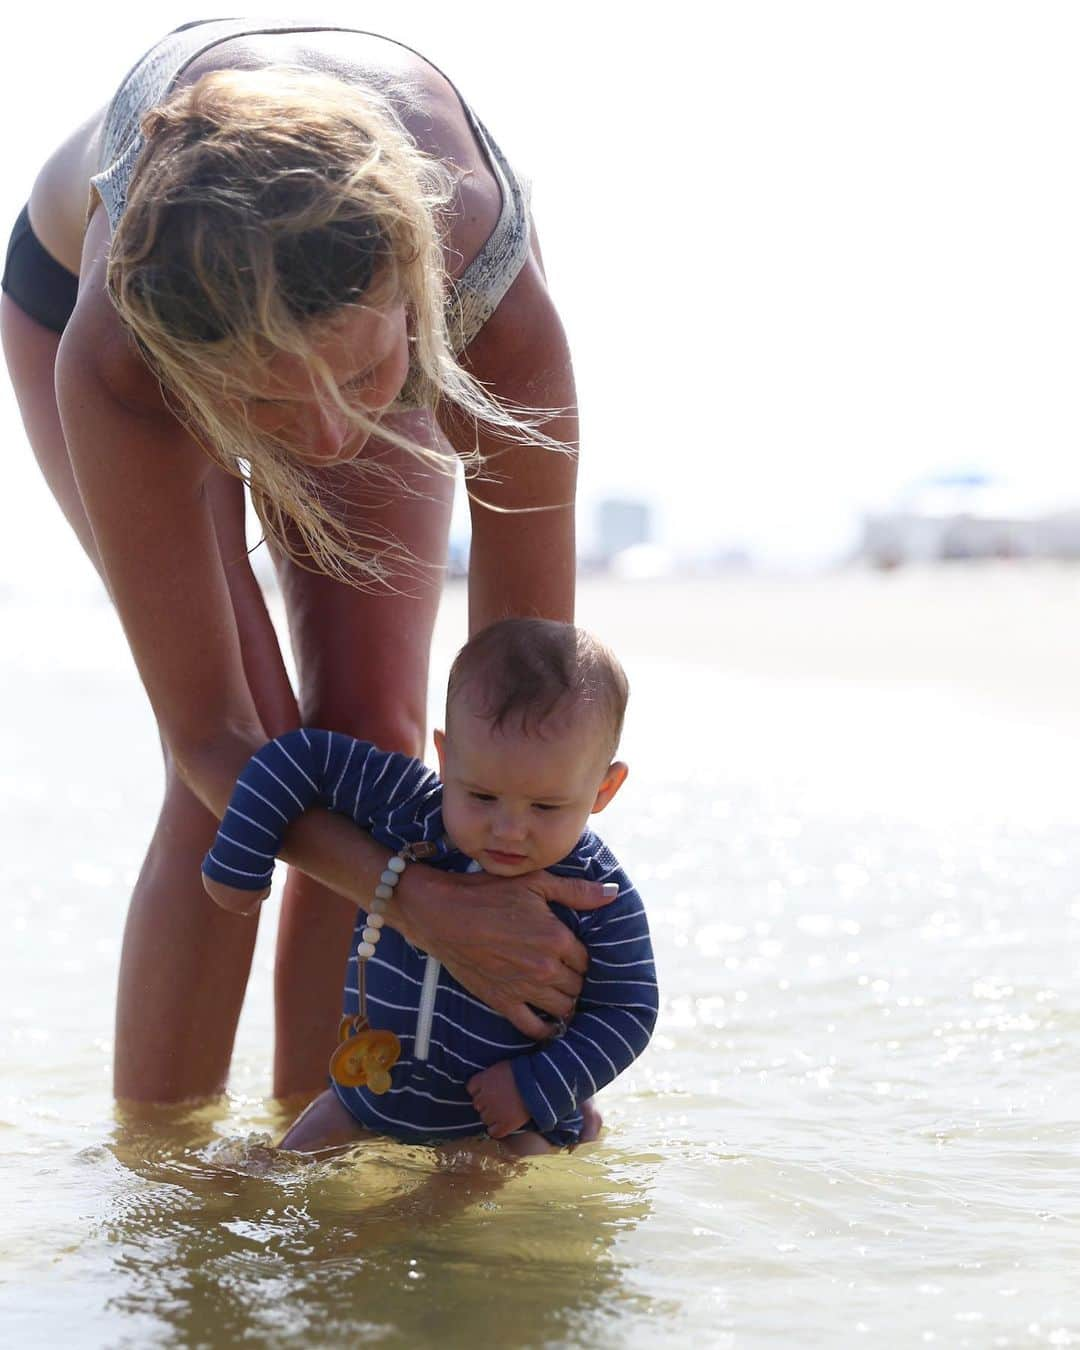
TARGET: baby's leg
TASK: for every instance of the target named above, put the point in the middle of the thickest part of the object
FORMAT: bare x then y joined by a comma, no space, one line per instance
527,1144
323,1124
592,1122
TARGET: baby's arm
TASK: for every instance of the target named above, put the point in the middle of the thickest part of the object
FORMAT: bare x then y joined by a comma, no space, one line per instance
287,776
615,1014
498,1102
277,785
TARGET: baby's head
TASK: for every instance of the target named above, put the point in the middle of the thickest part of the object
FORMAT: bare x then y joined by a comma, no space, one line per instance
534,710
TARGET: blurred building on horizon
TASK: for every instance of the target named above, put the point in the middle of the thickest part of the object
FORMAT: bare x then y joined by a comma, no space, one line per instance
622,523
969,515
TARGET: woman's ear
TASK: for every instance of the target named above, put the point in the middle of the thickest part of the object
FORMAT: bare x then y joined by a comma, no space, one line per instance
612,782
440,750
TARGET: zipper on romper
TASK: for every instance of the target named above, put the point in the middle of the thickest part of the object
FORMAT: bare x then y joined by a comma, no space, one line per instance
426,1011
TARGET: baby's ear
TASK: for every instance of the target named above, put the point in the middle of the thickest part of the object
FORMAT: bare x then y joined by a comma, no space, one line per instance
440,750
612,782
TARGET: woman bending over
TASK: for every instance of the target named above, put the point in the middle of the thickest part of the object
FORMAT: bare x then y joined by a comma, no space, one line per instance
294,258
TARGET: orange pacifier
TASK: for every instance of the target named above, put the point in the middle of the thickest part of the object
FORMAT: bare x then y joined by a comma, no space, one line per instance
365,1057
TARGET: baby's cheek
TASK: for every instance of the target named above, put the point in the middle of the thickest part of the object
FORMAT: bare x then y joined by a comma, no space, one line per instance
456,822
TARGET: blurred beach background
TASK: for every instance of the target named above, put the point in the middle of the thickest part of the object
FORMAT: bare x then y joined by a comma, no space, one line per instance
818,265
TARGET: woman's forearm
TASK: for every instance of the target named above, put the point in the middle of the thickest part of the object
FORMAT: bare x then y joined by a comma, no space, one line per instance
521,564
522,503
331,849
513,954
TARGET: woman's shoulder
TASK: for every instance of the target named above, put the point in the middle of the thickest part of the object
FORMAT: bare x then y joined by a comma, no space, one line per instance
95,340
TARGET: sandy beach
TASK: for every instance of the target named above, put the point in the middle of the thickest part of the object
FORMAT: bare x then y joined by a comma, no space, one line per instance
1007,633
1000,633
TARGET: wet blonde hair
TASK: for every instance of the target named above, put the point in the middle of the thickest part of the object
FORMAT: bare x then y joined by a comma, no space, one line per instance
262,203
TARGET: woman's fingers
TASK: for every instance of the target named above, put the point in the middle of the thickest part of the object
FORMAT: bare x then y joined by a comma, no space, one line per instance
553,1001
567,982
520,1002
526,1021
573,892
514,952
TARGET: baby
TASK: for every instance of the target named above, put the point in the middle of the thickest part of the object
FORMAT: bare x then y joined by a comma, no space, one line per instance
534,711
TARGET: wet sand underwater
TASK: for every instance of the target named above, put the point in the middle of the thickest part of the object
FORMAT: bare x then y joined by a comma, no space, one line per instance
852,814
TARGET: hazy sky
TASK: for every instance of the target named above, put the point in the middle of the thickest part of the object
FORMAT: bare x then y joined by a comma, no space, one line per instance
806,252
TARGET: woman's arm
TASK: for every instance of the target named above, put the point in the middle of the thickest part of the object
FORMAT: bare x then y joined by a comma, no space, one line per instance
143,481
522,559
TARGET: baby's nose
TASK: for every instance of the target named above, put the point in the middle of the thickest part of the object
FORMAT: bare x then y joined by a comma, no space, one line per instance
511,825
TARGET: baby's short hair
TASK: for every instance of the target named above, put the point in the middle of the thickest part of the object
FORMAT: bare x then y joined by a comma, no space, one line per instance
523,671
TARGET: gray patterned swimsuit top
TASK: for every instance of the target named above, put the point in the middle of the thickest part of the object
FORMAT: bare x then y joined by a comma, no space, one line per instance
477,292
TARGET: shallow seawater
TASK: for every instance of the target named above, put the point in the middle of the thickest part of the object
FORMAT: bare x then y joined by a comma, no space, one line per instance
859,1118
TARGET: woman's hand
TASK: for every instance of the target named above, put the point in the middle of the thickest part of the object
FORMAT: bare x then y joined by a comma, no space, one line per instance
498,938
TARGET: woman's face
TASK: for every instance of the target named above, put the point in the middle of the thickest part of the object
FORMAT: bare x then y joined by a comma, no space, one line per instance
367,350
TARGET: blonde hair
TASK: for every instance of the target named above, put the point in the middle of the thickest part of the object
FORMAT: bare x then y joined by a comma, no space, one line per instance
263,202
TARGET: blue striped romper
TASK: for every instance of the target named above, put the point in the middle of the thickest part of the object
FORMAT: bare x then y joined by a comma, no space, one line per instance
446,1034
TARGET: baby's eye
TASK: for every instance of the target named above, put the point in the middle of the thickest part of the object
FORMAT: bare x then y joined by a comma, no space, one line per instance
545,806
482,796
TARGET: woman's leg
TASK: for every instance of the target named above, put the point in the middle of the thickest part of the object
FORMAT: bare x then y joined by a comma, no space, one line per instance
362,659
196,955
185,962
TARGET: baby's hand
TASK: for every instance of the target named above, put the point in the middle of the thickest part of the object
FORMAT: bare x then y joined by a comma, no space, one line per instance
497,1100
232,898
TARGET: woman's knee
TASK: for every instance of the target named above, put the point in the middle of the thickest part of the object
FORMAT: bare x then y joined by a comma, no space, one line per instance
394,720
184,823
363,667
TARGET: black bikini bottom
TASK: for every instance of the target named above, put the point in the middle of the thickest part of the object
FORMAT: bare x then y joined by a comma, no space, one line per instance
38,284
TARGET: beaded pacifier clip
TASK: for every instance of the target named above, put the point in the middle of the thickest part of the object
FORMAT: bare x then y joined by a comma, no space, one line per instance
365,1055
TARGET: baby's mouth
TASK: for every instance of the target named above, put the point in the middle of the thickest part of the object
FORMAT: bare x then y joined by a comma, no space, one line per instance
501,856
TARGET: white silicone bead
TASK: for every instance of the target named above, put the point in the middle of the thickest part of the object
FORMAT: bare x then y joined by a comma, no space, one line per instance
371,935
384,892
375,919
397,865
378,906
365,949
389,878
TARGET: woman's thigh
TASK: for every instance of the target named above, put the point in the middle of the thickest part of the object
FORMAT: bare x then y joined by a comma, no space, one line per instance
30,352
362,655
